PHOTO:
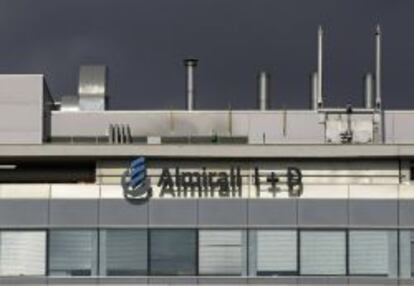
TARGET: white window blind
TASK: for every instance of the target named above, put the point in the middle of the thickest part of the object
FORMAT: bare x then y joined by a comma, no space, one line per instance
221,252
22,253
276,251
369,252
323,253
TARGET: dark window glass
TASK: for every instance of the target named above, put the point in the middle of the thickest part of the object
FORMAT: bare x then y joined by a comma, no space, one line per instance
173,252
48,172
72,253
123,252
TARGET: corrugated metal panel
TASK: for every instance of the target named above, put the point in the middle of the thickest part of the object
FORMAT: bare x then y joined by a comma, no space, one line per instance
72,253
369,252
22,253
323,253
125,252
276,251
220,252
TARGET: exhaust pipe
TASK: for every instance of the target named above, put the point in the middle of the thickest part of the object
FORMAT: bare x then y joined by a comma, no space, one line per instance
263,90
368,90
378,63
190,65
314,90
320,67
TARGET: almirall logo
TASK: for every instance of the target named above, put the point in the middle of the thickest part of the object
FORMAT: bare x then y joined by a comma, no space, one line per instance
135,182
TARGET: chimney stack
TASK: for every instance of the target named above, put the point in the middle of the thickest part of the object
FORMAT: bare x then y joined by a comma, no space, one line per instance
368,88
190,65
263,90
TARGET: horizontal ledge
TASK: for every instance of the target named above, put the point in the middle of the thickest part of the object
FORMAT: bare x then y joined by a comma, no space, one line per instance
208,151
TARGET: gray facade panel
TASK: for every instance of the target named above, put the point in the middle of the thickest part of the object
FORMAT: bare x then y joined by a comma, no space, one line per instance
222,212
23,212
272,281
72,281
222,280
4,281
406,213
123,280
172,280
373,213
322,281
173,212
73,212
325,212
272,212
373,281
122,212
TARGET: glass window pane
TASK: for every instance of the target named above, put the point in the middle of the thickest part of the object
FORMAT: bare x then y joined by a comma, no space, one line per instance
222,252
123,252
173,252
276,252
72,252
322,253
372,252
22,253
406,249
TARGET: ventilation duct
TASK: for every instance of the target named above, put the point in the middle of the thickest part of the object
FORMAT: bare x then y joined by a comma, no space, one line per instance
92,88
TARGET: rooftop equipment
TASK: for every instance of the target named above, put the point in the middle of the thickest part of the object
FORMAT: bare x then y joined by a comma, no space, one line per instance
320,67
92,87
263,90
368,90
190,65
378,63
314,90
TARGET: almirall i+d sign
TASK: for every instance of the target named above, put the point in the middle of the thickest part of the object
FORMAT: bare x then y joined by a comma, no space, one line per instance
204,183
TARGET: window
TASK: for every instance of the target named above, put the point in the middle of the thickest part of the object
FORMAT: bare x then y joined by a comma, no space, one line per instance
373,253
22,253
123,252
222,252
72,253
48,172
322,253
273,252
173,252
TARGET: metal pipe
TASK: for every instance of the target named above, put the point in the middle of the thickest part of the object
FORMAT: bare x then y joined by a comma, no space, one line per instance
314,90
190,65
320,66
368,88
378,63
263,90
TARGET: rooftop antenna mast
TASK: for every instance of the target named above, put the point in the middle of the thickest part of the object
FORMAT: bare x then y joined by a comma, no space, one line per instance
378,63
320,67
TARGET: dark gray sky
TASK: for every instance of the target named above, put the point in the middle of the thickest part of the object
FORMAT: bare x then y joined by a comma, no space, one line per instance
143,43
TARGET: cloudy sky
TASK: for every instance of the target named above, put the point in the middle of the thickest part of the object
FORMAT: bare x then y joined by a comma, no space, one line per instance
143,43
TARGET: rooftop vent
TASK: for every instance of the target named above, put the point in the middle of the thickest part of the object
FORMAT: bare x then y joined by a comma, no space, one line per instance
92,87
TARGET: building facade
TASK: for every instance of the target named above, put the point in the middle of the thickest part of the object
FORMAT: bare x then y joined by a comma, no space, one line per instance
90,196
